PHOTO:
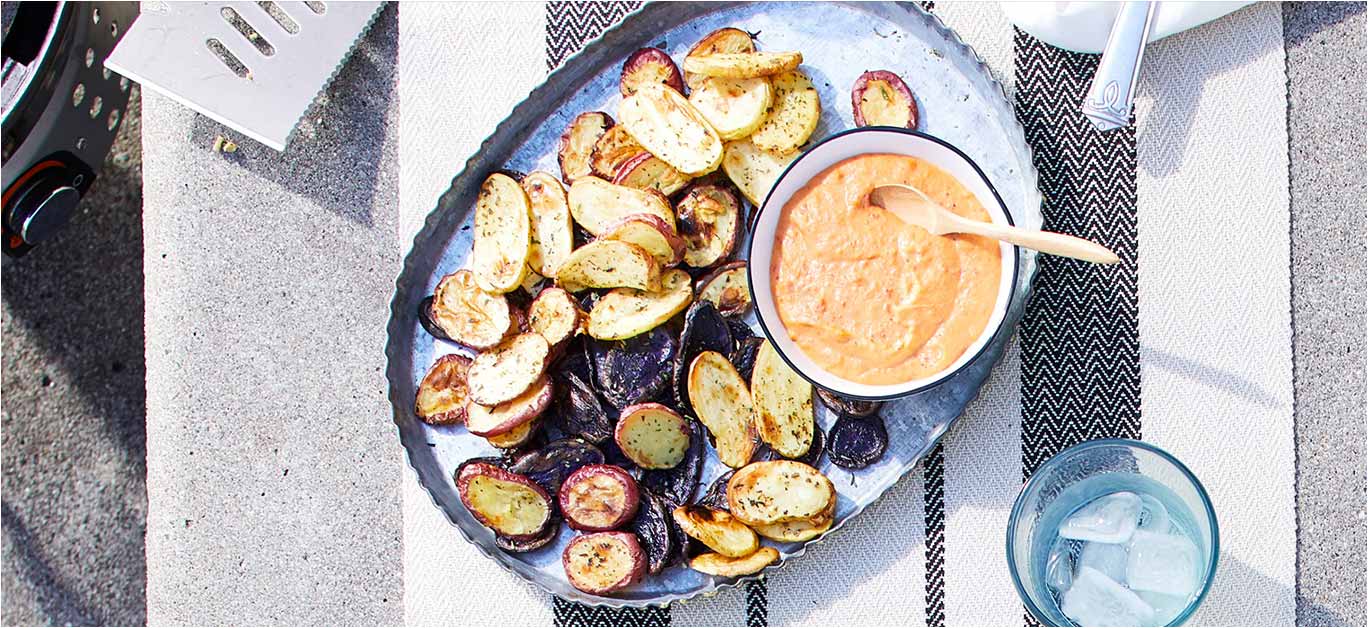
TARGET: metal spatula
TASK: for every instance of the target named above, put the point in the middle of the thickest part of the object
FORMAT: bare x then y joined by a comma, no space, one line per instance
254,66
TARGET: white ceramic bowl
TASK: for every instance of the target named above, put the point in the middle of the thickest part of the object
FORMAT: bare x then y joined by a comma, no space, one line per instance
824,155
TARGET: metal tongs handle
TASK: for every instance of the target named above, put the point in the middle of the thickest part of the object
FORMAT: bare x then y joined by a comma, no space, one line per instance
1108,102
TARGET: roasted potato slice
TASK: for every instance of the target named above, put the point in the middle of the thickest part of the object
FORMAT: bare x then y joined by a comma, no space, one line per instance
652,435
649,65
784,413
555,315
743,64
604,562
768,492
753,170
727,288
719,565
800,530
503,235
648,172
612,150
650,233
881,98
717,529
609,264
494,421
720,399
793,115
597,204
719,41
735,107
599,497
709,222
516,437
625,312
443,393
553,235
510,504
506,371
469,315
664,122
578,142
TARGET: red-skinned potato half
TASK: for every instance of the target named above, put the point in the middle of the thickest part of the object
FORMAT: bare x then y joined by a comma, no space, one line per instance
648,172
604,562
578,141
443,393
709,218
652,435
881,98
598,497
652,234
555,315
507,503
649,65
727,288
497,420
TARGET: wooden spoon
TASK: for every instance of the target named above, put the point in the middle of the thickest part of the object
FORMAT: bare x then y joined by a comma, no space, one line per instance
915,208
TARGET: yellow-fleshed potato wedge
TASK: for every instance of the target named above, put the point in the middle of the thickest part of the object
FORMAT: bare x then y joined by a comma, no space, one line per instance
717,529
743,64
442,395
735,107
503,235
651,233
727,288
801,530
652,435
506,371
613,149
469,315
624,312
778,490
721,40
793,114
553,235
494,421
783,404
720,399
578,142
555,315
609,264
648,172
754,171
664,122
719,565
597,204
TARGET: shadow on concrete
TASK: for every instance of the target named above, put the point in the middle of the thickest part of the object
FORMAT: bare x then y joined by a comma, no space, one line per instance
74,407
330,138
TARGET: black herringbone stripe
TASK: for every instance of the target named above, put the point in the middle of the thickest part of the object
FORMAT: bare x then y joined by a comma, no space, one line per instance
1080,350
933,496
569,25
757,603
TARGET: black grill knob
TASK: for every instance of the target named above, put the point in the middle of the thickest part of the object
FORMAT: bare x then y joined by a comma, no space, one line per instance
44,205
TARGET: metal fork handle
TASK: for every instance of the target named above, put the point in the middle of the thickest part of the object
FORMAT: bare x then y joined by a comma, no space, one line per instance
1108,102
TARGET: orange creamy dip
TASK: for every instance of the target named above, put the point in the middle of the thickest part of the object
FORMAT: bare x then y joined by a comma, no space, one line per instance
868,297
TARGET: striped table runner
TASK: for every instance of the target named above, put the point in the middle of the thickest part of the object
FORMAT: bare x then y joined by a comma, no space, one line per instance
1192,328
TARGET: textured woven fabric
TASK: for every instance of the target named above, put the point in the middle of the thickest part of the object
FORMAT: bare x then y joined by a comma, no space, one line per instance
1190,310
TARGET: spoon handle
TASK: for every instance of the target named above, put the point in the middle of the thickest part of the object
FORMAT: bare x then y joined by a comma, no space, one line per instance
1043,241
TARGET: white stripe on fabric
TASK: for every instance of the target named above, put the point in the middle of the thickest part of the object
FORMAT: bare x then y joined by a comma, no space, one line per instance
1215,326
872,572
983,452
464,48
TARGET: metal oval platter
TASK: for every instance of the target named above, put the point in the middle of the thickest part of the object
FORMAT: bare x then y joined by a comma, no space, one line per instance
959,101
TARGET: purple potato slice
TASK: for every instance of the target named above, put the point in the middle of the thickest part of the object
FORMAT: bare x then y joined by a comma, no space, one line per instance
743,356
846,406
855,443
550,465
705,329
653,529
679,483
578,411
716,495
633,370
740,330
